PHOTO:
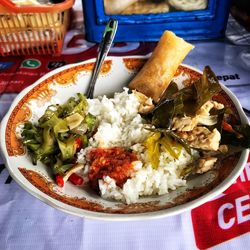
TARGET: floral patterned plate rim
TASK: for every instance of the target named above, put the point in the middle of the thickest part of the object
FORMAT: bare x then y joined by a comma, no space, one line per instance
56,87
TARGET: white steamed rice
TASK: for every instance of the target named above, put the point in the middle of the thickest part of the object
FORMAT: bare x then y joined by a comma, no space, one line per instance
120,125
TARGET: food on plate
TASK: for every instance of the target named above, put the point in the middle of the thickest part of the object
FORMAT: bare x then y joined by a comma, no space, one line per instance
58,135
159,70
129,146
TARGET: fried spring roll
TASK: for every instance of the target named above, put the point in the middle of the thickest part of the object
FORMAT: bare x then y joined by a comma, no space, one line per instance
159,70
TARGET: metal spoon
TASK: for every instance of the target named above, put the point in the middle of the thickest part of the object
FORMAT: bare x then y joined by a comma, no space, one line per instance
103,49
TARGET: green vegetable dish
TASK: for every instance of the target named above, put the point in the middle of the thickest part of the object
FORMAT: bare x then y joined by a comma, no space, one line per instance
59,134
187,119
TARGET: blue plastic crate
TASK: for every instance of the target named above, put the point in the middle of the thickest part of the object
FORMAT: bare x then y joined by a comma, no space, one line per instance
191,25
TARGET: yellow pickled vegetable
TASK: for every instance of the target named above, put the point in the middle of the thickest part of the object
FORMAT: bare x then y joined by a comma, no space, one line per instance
178,148
153,149
171,146
167,145
155,142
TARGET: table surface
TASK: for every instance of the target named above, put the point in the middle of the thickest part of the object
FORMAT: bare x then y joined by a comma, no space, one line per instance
28,223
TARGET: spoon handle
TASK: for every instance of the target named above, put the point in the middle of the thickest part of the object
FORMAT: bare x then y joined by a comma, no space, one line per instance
103,49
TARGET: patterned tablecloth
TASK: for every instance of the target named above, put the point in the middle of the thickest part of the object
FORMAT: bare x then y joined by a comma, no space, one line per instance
222,223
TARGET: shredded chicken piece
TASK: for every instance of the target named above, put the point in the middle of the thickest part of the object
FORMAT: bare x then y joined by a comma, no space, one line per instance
206,107
185,123
202,138
202,117
205,164
146,103
223,149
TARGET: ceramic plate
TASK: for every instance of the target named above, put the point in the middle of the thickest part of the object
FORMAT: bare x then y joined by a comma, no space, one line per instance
57,87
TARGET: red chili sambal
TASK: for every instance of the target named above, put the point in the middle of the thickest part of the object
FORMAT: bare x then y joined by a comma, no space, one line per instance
113,162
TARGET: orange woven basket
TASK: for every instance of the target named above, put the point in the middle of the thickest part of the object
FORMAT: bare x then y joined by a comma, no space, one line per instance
32,30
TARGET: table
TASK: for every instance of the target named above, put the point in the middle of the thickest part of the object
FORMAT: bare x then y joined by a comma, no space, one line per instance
223,223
